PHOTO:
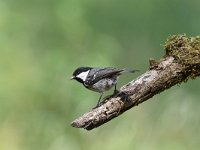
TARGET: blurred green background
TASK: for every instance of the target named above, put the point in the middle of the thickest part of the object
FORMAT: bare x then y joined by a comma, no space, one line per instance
43,41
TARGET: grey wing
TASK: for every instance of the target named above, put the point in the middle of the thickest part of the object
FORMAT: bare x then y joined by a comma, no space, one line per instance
97,74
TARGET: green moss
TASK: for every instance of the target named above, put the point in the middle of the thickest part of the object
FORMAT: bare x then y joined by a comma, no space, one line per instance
153,63
186,51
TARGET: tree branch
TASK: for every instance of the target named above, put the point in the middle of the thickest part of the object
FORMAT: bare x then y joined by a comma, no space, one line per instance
181,62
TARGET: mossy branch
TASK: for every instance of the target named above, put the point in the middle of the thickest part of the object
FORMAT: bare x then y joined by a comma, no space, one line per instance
180,63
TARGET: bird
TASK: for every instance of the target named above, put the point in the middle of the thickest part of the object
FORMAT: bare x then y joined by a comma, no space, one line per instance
99,79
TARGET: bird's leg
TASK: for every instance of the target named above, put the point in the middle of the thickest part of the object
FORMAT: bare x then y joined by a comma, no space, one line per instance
115,91
98,101
109,96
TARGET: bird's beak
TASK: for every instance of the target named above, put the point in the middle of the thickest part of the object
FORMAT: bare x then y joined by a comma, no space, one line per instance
72,77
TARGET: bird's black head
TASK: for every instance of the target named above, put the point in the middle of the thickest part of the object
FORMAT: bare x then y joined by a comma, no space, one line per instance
80,74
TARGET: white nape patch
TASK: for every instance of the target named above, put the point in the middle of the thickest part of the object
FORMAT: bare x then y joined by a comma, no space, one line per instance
83,75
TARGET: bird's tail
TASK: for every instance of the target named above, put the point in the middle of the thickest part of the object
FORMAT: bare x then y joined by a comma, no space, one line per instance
125,70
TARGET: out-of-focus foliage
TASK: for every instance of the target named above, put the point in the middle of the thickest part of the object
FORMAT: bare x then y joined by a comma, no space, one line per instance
43,41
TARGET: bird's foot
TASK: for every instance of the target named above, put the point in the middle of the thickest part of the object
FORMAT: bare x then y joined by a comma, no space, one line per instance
115,92
106,98
124,96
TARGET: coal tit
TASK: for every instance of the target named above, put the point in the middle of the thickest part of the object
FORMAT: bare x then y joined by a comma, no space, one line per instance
99,79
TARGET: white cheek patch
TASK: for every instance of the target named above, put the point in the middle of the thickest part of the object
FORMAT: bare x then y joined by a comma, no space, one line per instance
83,75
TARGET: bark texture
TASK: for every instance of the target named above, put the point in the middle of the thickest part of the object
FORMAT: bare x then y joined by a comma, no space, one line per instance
181,62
